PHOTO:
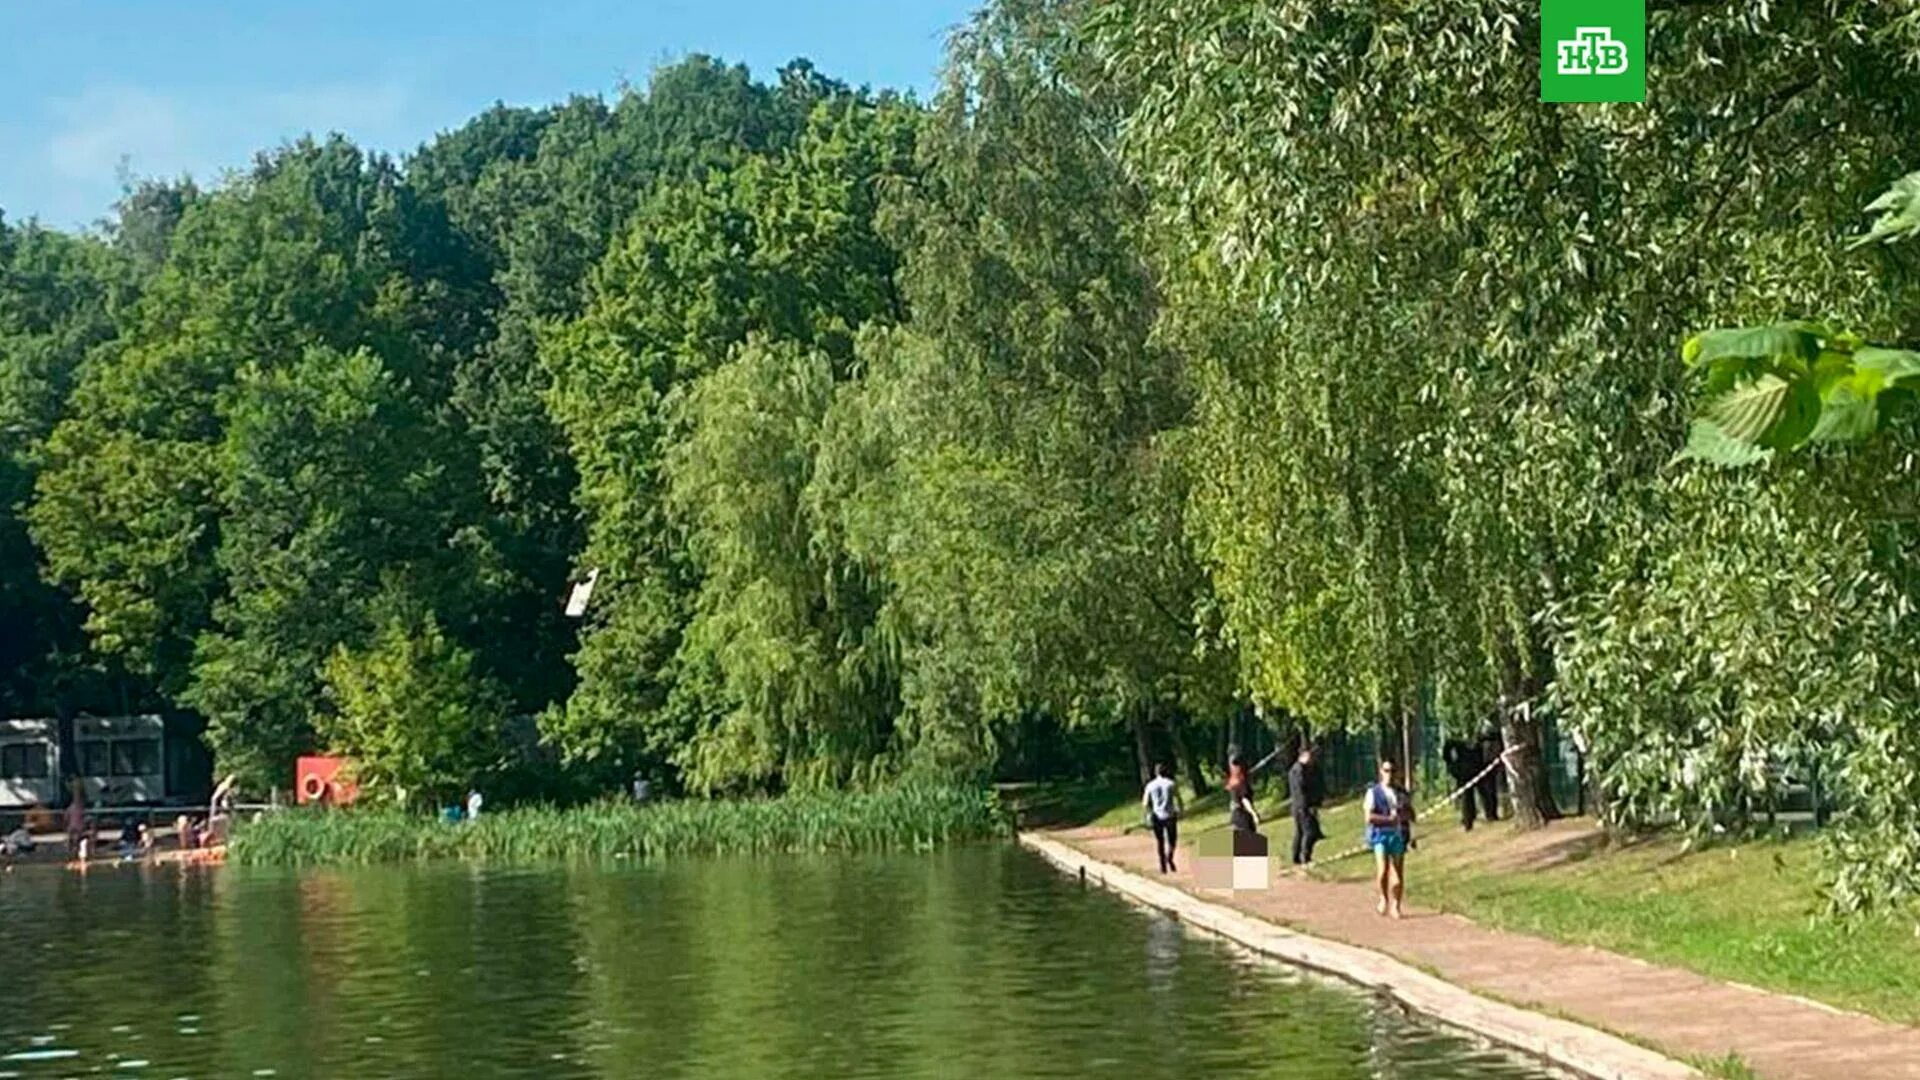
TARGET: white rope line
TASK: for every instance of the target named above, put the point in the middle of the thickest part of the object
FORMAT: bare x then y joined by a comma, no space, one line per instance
1466,787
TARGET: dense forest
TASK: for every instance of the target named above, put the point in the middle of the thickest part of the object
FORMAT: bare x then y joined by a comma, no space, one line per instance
1170,359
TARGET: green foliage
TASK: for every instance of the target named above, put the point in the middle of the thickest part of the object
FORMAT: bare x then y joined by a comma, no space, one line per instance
411,711
1171,354
59,297
904,818
263,447
779,247
782,617
1430,318
1778,388
1899,210
1007,464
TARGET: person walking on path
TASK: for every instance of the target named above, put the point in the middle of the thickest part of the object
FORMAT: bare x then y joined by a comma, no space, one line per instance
1389,810
1162,802
1304,796
1464,762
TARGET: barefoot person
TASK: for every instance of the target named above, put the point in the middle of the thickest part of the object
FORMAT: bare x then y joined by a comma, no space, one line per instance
1162,803
76,814
1389,812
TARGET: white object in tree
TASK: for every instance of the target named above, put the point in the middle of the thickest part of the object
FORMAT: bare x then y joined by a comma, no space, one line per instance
577,603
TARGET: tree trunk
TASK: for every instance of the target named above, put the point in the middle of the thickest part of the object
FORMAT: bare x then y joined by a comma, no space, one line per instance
1142,753
1407,722
1533,804
1177,731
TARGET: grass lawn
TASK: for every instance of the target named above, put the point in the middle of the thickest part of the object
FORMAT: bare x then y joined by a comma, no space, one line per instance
1749,912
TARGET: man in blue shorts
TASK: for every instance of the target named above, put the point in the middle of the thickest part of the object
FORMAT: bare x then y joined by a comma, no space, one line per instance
1389,810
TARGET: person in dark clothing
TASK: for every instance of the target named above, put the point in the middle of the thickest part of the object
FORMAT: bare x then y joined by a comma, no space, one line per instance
1304,795
1489,787
1464,762
1246,823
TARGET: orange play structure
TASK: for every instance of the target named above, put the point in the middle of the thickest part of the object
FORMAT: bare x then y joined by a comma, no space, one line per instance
322,780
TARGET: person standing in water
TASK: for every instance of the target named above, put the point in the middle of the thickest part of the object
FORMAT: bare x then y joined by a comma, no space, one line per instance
76,815
220,809
1389,810
1162,803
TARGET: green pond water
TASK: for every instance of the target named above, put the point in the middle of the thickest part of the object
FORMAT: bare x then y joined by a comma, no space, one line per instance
974,962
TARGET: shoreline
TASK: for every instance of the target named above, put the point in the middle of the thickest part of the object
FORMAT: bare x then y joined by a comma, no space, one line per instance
1562,1043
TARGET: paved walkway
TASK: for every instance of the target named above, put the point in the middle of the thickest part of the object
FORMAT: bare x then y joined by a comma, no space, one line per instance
1686,1015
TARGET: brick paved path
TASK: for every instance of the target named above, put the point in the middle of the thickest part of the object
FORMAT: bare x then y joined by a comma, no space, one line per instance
1685,1014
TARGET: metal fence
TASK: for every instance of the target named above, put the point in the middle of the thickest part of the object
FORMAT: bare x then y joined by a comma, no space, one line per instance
1798,795
1348,762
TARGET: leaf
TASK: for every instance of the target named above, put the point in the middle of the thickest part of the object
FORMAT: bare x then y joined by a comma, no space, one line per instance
1798,418
1894,366
1754,412
1706,442
1795,340
1846,415
1899,210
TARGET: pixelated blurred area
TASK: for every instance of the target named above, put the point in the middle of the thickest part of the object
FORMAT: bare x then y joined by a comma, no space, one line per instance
1235,861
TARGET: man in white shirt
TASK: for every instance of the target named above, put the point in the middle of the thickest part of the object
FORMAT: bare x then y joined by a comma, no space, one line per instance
1162,802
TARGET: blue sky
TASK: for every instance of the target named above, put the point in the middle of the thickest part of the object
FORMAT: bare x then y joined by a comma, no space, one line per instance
197,86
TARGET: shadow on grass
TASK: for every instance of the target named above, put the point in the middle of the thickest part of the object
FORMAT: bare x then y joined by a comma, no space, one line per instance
1060,805
1073,804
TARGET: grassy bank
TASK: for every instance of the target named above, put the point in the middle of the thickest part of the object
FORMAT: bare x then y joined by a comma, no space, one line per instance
905,818
1749,912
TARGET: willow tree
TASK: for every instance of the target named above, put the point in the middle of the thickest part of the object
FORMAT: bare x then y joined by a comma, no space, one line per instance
1385,179
1008,462
780,246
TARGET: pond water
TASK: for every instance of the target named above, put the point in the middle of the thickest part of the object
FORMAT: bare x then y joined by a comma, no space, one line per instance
978,961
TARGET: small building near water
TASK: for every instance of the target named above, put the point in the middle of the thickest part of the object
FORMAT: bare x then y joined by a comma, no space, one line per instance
151,759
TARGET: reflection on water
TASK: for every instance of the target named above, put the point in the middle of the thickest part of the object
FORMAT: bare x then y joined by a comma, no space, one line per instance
974,962
1166,942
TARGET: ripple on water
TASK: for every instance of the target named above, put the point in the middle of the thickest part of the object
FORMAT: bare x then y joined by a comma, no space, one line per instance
902,967
56,1054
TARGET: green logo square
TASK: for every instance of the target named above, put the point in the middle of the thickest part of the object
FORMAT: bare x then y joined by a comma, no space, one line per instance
1593,50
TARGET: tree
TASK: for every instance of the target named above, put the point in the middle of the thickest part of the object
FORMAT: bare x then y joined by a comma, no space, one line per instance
411,710
1480,285
781,615
1781,387
1008,463
782,247
216,493
333,491
59,297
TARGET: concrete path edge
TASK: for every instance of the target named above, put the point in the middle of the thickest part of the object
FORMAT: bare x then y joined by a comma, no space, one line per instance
1569,1045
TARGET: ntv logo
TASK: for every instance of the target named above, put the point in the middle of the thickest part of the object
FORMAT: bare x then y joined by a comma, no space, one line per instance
1592,51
